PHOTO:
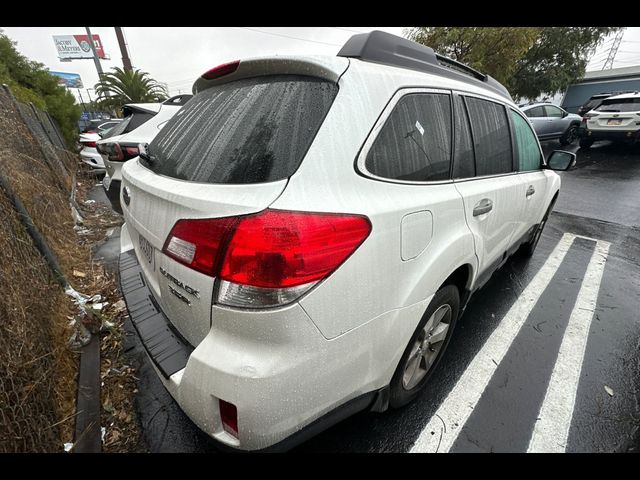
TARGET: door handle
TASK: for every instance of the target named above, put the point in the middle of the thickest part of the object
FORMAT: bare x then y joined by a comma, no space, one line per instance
530,191
483,206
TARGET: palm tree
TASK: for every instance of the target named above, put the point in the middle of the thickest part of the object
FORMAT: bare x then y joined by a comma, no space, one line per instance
132,86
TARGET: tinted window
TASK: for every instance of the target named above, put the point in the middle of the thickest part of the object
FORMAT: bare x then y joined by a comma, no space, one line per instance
137,119
119,129
463,165
528,152
248,131
620,105
415,142
553,111
535,112
491,137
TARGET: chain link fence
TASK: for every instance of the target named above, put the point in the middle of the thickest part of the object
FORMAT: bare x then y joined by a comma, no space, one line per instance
36,370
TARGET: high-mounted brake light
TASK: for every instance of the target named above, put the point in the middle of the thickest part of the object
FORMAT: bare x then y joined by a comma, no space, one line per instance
221,70
270,258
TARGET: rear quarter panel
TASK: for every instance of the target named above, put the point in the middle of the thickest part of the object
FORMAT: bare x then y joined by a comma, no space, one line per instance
375,279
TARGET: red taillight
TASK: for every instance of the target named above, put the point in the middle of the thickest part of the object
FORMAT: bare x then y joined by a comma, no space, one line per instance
221,70
89,144
131,151
196,243
229,417
280,249
269,258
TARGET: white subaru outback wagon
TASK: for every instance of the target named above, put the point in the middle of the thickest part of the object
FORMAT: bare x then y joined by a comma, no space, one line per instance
302,236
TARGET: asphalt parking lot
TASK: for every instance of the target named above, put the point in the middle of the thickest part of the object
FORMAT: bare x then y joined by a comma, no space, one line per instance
545,358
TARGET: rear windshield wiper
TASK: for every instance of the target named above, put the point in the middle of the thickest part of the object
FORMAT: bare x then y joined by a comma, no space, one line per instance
143,153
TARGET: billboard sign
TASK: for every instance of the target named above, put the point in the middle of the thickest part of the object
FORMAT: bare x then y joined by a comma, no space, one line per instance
77,46
70,80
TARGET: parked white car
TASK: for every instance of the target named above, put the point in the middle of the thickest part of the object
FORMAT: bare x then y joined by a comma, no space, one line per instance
617,118
302,236
89,154
142,124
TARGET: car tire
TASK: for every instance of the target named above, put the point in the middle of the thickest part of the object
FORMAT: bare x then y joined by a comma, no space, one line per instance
586,142
569,136
529,247
421,357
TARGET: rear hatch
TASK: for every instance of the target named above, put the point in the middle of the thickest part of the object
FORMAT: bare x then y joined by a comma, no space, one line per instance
228,152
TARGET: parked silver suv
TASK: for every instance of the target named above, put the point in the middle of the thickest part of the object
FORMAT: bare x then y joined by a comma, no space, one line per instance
551,122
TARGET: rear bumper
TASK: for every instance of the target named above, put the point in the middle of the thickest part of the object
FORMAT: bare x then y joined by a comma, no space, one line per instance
93,159
287,381
633,135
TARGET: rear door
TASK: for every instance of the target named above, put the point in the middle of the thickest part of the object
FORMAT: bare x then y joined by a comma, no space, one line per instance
229,151
484,177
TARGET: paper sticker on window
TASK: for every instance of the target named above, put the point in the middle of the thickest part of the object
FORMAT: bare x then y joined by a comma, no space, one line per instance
419,127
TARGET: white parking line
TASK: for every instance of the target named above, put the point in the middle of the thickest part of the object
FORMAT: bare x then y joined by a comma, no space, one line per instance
454,411
552,428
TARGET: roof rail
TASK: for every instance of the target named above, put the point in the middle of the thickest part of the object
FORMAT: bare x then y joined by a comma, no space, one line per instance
382,47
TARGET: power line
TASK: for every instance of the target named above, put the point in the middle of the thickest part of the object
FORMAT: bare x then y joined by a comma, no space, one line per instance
349,30
289,36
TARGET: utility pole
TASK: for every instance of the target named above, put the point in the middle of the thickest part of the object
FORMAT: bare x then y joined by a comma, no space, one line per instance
126,61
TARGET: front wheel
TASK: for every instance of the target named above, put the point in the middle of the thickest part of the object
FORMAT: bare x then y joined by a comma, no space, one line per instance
426,347
570,136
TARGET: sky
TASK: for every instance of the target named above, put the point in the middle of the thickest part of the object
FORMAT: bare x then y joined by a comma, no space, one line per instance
178,55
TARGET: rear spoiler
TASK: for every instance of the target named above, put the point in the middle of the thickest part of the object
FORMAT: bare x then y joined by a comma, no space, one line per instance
328,68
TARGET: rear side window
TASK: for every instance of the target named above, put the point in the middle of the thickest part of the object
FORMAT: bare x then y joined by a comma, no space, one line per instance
620,105
249,131
528,152
415,142
492,140
535,112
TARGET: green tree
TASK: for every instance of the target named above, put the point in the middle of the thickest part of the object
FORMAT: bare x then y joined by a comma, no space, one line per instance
558,58
125,87
529,61
31,82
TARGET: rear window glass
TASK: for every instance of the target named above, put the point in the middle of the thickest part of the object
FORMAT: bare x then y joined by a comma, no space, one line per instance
620,105
129,124
252,130
490,128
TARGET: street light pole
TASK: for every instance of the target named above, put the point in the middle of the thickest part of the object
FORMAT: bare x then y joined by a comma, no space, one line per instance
96,60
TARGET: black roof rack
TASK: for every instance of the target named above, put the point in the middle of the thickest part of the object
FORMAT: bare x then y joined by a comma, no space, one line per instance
388,49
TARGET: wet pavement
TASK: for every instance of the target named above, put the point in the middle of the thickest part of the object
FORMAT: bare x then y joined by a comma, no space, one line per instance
563,346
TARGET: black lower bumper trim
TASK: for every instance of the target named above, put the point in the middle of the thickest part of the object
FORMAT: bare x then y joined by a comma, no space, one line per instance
168,351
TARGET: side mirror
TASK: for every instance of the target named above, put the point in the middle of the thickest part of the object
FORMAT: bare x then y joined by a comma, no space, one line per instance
564,114
561,160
